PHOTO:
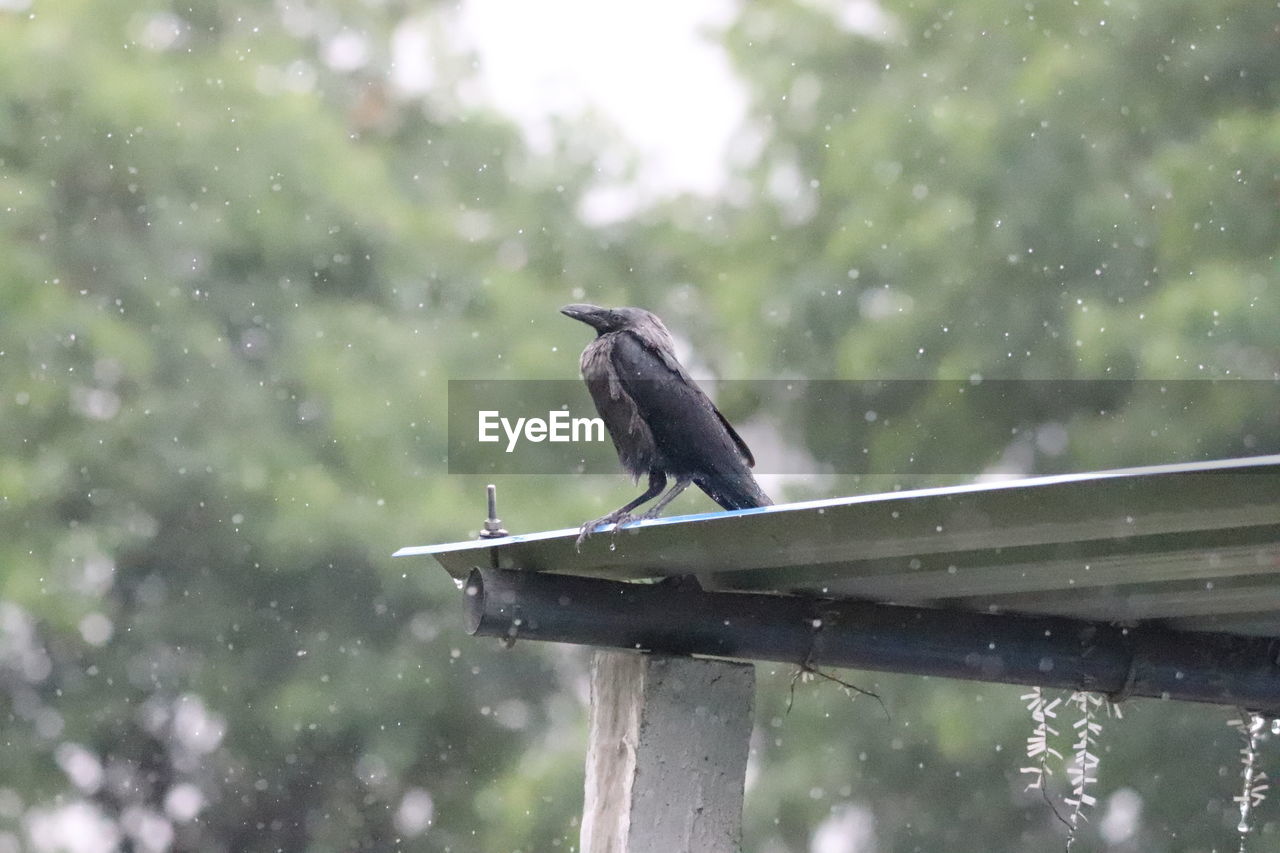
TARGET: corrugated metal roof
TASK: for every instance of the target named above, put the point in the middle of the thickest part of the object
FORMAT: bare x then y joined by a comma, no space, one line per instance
1196,545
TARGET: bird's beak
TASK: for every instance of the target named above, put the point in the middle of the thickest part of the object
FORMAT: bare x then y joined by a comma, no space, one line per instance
589,314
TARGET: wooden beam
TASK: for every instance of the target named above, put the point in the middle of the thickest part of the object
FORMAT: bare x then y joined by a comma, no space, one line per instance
679,618
667,755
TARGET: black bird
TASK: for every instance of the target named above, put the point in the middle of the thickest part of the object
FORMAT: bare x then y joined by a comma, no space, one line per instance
661,422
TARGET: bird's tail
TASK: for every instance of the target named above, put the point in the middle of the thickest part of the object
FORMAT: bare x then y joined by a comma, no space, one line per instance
735,492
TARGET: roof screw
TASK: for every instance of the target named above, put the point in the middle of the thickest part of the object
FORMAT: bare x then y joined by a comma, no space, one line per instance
493,525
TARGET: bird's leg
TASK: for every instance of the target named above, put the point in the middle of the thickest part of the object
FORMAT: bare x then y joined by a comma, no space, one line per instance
681,484
621,515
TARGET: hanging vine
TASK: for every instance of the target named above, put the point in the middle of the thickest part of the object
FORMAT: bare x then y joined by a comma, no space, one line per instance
1253,781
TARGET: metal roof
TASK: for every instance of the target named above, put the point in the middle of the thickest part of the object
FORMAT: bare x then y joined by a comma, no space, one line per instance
1194,545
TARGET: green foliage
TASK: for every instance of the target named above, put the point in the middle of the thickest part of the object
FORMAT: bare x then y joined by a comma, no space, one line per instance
235,281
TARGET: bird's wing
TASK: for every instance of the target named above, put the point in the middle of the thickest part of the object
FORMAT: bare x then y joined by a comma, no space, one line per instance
737,439
668,359
664,392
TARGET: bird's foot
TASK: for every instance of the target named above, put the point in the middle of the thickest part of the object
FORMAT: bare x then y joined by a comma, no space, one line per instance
616,518
651,514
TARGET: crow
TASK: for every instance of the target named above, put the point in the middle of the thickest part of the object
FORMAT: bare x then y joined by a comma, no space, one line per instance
661,422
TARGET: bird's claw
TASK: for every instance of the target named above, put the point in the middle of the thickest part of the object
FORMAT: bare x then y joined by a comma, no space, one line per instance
617,519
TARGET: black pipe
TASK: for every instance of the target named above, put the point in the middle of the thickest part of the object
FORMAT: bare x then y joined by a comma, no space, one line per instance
678,617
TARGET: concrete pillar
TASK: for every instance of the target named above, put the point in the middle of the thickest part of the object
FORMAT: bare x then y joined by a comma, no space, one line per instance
667,754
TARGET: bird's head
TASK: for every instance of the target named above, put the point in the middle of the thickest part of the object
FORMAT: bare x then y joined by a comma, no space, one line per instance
605,320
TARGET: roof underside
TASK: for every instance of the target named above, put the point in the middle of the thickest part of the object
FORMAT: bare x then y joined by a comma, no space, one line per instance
1196,546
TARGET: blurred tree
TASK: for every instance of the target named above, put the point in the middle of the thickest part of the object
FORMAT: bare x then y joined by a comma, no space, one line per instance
1007,190
1013,191
236,278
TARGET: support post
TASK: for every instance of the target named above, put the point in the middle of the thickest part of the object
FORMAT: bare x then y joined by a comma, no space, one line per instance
667,755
